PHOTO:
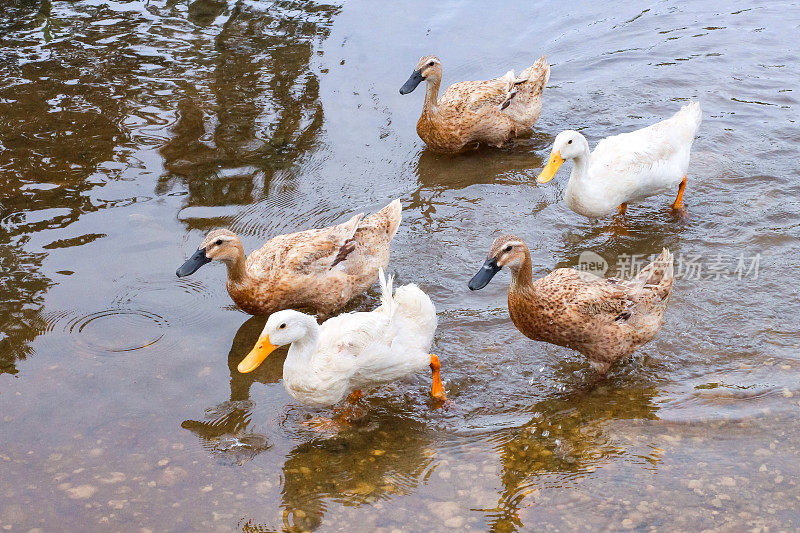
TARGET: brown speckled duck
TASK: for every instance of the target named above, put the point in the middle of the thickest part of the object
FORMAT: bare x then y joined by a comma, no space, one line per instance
319,269
474,112
604,319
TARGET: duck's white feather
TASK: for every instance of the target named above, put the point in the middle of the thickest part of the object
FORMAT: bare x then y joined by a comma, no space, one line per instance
359,350
629,167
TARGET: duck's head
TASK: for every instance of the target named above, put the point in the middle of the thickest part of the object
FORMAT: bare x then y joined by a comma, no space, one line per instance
569,144
507,251
219,245
428,68
282,328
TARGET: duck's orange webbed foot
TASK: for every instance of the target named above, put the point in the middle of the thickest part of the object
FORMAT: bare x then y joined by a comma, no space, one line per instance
437,388
618,226
354,396
678,207
350,412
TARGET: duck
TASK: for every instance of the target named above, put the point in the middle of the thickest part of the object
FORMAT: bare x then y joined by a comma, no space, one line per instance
606,320
470,113
335,360
626,168
318,269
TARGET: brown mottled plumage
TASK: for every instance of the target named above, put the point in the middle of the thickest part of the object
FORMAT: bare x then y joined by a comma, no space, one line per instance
604,319
321,269
473,112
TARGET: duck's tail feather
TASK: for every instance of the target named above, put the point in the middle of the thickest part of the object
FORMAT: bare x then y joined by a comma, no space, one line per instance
387,299
649,293
411,307
656,278
375,233
386,221
524,102
533,79
694,110
416,307
687,120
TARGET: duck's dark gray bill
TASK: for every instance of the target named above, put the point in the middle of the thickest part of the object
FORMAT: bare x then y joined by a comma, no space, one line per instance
193,263
415,79
484,275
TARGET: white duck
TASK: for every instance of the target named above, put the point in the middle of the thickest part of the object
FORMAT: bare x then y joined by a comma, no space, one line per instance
627,167
353,350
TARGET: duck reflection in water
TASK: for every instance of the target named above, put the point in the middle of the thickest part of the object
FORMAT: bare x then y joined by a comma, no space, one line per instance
204,12
624,253
439,174
226,428
387,454
458,171
566,439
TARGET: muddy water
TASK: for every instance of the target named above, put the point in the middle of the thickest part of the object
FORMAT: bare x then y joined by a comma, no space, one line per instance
129,129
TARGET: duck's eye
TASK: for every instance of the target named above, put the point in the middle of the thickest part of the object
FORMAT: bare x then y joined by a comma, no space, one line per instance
569,141
282,326
508,248
219,242
430,64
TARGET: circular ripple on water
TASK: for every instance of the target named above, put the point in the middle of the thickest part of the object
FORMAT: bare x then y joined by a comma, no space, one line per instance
114,331
188,301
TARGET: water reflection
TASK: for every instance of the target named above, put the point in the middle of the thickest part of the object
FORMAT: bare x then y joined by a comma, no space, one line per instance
226,430
564,441
261,113
386,454
615,240
456,171
59,122
436,170
22,287
79,99
205,12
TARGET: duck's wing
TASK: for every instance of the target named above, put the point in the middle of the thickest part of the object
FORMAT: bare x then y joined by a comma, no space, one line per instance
595,297
660,146
586,295
473,96
309,252
351,335
376,346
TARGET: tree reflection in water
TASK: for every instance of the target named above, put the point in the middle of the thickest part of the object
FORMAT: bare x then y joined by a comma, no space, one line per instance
53,140
77,108
261,112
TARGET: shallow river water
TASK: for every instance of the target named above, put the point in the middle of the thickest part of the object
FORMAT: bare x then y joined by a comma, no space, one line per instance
129,129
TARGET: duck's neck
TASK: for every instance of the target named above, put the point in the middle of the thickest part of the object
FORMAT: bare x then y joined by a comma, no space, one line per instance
522,277
580,167
237,273
302,353
431,96
579,178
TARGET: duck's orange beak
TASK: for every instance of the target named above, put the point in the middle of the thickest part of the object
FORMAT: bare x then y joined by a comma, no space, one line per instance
551,167
257,355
